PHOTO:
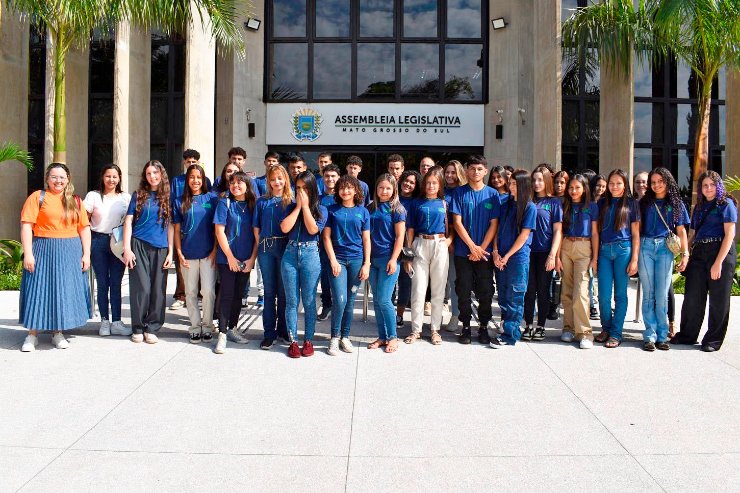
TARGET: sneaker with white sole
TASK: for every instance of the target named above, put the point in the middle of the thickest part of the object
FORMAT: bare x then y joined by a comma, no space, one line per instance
452,324
236,337
137,338
333,348
150,338
117,328
220,344
177,304
30,343
104,329
346,345
567,337
586,344
59,341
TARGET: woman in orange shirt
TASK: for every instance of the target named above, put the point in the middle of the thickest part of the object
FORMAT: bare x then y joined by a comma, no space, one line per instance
55,294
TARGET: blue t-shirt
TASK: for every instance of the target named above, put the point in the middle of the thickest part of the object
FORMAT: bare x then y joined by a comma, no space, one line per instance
549,212
177,187
260,185
382,229
299,233
365,193
268,212
714,224
148,227
652,225
428,217
581,217
237,218
347,225
196,225
408,204
328,200
320,185
508,230
476,210
608,235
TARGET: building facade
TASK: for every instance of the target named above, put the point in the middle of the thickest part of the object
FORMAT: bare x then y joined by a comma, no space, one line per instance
365,77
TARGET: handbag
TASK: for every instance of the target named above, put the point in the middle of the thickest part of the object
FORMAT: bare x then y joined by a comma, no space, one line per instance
672,241
116,242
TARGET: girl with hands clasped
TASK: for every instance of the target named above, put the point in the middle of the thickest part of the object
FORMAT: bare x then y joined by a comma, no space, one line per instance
235,257
347,242
147,251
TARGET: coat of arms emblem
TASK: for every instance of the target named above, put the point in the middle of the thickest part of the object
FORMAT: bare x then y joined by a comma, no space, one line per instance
306,125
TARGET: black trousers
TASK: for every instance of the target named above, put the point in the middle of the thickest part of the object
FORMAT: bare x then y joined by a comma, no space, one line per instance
147,287
671,304
699,286
538,287
230,297
476,277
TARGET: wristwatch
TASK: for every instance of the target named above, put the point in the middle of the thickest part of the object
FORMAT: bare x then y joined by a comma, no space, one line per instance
684,254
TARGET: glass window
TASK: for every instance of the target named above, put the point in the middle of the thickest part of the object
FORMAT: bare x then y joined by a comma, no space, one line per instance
376,75
722,121
420,18
332,18
683,160
289,18
376,18
101,120
591,122
566,8
178,52
420,70
102,56
332,75
36,120
463,72
289,75
686,120
683,82
158,119
160,68
721,84
642,159
463,18
643,77
643,118
571,122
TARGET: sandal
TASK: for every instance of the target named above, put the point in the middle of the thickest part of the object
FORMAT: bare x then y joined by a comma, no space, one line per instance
436,338
602,337
411,338
392,346
376,344
612,343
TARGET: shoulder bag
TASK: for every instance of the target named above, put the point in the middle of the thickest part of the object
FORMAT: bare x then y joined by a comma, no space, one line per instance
672,241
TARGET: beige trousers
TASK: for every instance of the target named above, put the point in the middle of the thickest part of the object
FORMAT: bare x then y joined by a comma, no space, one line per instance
200,270
431,261
575,255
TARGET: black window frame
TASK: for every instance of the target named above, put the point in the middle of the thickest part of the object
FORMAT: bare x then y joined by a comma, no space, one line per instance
102,43
36,146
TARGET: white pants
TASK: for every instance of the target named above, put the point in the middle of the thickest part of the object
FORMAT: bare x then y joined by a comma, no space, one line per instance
431,261
200,270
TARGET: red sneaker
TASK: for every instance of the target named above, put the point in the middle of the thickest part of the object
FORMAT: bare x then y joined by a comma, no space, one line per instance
293,350
307,348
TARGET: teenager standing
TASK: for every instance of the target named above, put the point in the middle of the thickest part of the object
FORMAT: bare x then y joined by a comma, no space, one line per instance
454,178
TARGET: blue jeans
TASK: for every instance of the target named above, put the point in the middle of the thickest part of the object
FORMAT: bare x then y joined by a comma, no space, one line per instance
613,261
512,286
344,289
382,286
108,274
301,269
269,256
655,269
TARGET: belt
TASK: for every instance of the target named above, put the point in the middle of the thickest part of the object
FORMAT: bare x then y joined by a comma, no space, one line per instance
96,233
709,240
577,238
273,238
431,237
302,243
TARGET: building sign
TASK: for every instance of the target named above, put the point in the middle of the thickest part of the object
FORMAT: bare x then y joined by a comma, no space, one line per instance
337,124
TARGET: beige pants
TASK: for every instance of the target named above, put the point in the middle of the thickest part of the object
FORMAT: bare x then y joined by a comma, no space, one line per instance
431,260
200,270
576,255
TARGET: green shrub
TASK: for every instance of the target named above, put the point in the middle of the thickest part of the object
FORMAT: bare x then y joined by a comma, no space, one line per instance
10,281
679,286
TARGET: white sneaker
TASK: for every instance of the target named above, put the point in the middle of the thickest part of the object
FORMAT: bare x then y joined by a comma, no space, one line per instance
59,341
586,344
333,348
220,344
177,304
150,338
118,329
452,324
104,329
346,345
428,308
567,337
30,343
236,337
137,338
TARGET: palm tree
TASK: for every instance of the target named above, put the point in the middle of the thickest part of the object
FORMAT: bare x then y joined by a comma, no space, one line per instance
72,23
10,151
704,34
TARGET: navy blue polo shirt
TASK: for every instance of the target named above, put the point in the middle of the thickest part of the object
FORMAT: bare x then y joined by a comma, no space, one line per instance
383,222
476,210
508,230
652,225
347,225
196,225
299,233
237,219
148,227
268,212
581,216
608,235
428,217
714,224
549,212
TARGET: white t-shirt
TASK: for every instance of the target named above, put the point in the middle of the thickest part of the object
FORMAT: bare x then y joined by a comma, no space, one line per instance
106,212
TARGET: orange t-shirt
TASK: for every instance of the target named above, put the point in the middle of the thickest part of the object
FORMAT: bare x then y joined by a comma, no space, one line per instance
49,221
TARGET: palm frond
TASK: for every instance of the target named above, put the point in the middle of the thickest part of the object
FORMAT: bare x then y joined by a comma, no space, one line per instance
10,151
732,183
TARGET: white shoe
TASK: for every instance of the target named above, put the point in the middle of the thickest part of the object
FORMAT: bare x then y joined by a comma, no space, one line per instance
104,329
150,338
177,304
586,344
137,338
452,324
236,337
333,348
567,337
220,344
118,329
346,345
59,341
428,308
30,343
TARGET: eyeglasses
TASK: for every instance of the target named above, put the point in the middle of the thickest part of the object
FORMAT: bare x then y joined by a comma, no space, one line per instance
58,178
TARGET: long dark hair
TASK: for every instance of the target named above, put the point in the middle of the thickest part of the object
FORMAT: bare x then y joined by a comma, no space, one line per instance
593,181
568,200
101,183
223,184
249,194
187,194
309,184
162,194
673,195
405,175
623,202
393,203
523,194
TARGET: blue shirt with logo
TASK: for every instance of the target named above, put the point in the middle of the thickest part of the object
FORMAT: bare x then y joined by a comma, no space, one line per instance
476,210
268,212
549,212
237,219
328,200
581,216
196,225
148,227
428,217
383,221
299,233
508,230
177,187
652,225
347,225
717,216
608,235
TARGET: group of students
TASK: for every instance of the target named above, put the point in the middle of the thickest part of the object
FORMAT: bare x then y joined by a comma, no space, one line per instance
421,237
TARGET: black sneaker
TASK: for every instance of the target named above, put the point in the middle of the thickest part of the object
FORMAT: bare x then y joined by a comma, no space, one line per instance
554,312
464,337
663,346
207,337
649,346
483,336
538,334
399,322
527,333
498,342
324,314
594,315
267,344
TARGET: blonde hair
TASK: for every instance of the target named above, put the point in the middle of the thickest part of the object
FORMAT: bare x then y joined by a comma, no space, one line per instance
459,171
69,200
287,191
394,203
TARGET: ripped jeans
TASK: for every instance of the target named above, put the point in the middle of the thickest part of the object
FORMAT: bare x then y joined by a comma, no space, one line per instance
344,289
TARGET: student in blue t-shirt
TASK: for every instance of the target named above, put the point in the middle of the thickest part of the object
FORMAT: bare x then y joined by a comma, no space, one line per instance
347,241
236,254
268,213
354,168
711,266
300,267
577,259
408,191
545,245
619,240
331,175
195,245
147,251
272,158
454,178
662,212
387,230
513,239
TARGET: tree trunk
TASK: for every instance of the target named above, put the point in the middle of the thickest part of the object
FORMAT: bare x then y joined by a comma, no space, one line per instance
701,144
61,46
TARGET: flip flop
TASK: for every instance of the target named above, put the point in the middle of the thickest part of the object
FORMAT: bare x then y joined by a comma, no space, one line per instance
392,346
376,344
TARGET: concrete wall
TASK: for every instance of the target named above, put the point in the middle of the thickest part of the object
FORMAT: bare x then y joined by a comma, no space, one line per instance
732,138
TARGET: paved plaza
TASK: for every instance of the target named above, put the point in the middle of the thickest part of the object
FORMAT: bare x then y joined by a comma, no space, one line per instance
110,415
